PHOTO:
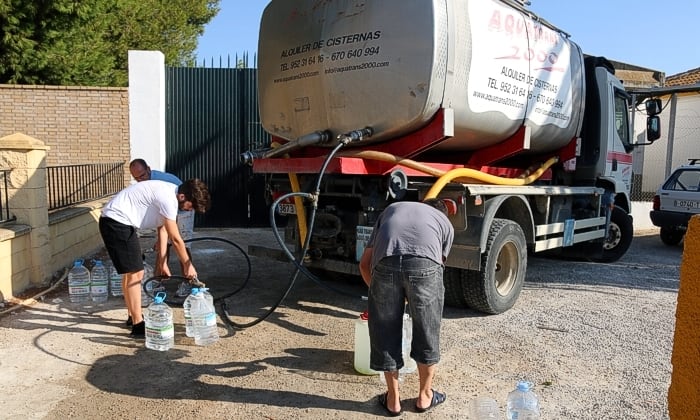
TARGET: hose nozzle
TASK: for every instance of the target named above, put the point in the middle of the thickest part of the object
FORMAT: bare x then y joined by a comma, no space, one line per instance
355,135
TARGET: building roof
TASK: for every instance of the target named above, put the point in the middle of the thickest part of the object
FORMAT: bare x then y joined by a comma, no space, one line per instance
689,77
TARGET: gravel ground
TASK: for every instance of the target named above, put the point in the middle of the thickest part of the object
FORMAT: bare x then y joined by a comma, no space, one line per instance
596,341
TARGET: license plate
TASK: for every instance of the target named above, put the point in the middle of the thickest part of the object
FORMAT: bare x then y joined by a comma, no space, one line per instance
287,208
689,204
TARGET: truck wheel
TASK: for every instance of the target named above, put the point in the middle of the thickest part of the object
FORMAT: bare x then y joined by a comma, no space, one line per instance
452,278
671,236
619,237
496,287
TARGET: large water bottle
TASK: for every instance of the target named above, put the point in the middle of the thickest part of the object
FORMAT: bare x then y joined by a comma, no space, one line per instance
362,348
409,365
160,331
115,282
79,282
99,282
203,320
187,312
147,291
522,403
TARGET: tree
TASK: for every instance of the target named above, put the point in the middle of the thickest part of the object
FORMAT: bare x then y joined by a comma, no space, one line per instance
86,42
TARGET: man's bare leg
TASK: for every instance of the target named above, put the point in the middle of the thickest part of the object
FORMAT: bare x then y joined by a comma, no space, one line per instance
131,284
425,394
393,401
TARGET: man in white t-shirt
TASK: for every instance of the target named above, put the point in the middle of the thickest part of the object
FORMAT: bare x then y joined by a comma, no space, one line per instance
154,205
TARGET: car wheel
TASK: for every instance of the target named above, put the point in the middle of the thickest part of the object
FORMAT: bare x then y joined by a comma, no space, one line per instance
671,235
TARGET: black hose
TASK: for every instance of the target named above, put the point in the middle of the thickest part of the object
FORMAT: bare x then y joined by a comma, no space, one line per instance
305,248
297,263
217,299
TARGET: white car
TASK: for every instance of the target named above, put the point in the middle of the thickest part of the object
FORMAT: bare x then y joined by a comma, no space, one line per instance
676,201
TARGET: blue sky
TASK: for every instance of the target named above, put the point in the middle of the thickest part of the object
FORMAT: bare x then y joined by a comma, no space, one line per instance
648,33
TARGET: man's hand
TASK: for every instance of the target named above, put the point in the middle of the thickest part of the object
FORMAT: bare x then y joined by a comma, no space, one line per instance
189,271
162,270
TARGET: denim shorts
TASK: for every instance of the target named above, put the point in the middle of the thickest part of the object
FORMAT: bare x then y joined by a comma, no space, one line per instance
395,280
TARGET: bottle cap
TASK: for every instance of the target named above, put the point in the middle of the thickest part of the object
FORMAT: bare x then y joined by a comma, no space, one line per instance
524,386
364,315
159,297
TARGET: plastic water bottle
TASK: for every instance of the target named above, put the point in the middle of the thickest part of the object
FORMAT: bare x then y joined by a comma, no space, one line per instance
187,312
99,282
147,274
115,282
203,320
409,365
522,403
362,348
160,331
79,282
484,408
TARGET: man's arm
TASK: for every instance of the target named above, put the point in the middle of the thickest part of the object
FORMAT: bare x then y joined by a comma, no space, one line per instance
170,227
366,266
161,268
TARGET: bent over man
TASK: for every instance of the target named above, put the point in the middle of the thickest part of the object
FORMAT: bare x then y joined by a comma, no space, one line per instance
403,262
148,205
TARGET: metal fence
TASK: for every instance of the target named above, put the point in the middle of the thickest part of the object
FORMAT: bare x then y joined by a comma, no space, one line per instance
5,216
69,185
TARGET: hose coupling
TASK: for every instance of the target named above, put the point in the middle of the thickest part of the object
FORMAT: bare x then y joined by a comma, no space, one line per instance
248,157
355,135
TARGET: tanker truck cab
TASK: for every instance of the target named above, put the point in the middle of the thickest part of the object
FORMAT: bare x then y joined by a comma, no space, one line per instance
605,157
478,101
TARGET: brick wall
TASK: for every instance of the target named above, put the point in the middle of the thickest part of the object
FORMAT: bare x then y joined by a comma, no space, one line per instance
79,124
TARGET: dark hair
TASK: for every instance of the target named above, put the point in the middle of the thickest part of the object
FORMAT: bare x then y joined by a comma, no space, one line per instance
138,161
197,192
438,204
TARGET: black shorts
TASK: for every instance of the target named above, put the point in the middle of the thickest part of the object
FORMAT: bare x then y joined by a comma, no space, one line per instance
123,245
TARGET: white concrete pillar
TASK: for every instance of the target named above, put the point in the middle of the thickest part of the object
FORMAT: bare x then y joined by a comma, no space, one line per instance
147,107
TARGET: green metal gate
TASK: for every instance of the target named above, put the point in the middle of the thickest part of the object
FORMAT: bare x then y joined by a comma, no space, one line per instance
211,118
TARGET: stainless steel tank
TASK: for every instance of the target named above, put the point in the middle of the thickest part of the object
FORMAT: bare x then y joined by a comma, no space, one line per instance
340,65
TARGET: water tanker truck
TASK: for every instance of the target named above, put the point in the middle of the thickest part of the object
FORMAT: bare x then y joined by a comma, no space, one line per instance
477,101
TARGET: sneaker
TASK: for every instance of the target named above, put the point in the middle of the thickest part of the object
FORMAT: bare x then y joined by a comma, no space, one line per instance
138,330
184,289
129,321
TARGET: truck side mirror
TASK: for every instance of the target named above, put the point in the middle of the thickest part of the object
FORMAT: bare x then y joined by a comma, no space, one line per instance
653,106
653,128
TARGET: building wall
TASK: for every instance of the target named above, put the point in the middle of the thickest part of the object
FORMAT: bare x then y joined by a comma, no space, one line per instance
79,124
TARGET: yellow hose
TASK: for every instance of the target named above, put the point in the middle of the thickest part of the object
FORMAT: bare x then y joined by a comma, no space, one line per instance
387,157
472,175
488,178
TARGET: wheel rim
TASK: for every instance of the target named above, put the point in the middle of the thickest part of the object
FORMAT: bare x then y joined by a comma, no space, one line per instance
506,270
614,237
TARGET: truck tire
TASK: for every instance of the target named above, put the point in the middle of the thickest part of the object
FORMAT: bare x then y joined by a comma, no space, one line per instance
619,236
452,278
496,287
671,236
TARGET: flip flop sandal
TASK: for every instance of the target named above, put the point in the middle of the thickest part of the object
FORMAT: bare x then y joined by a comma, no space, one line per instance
438,398
382,401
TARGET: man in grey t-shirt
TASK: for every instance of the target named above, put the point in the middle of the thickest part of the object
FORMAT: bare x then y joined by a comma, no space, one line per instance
403,261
